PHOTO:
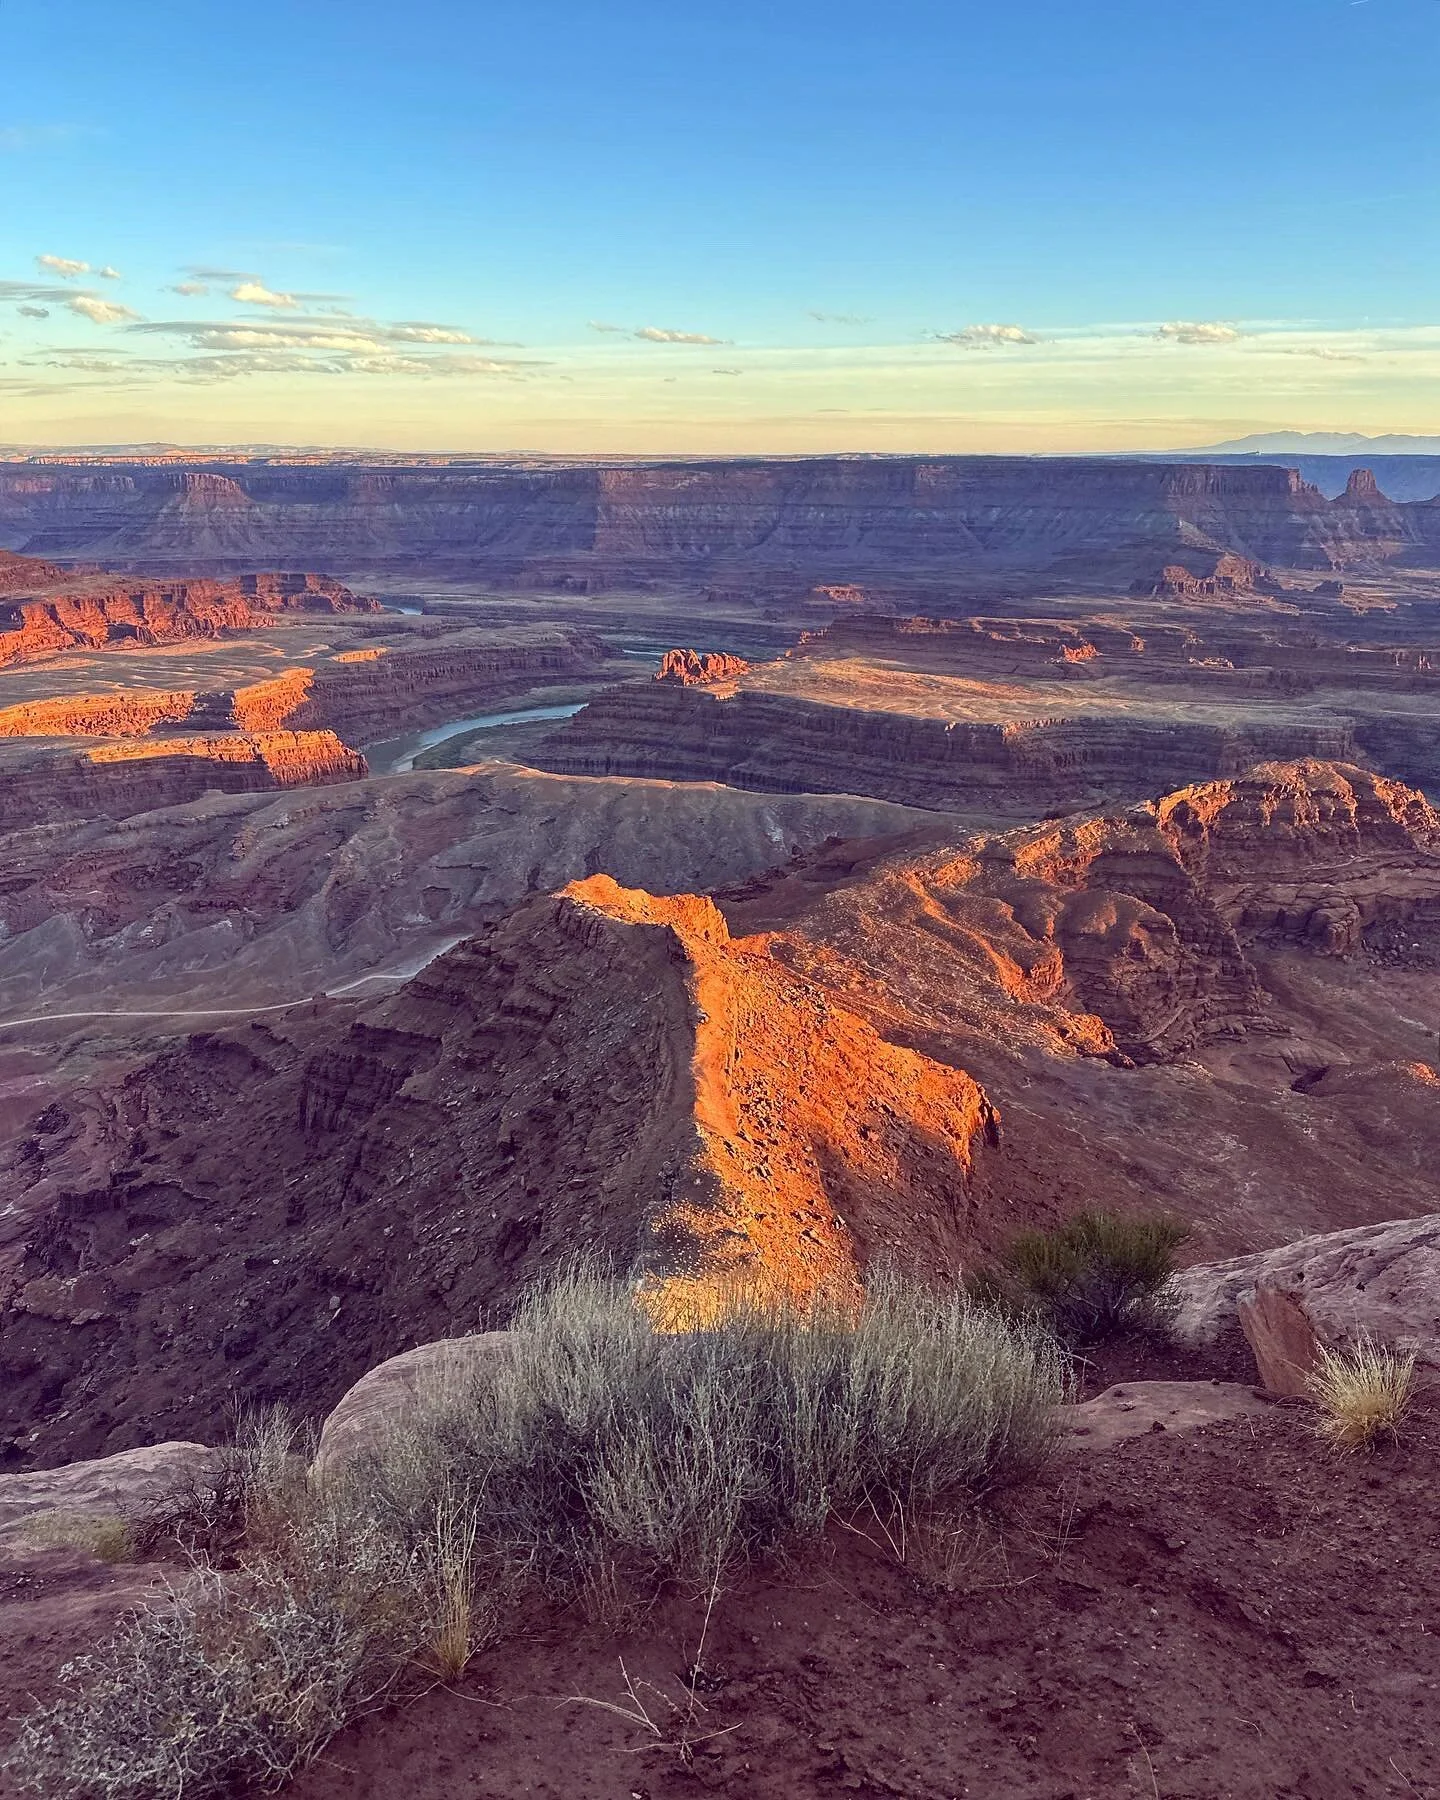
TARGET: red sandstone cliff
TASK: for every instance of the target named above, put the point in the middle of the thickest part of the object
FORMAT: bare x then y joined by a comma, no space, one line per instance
97,616
691,668
118,779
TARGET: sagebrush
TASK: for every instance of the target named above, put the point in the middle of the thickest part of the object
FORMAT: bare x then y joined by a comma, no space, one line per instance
596,1458
1092,1278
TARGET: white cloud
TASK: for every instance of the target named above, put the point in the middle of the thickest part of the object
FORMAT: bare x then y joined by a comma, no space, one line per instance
657,334
415,331
1197,331
255,293
600,325
98,311
829,318
987,337
727,371
109,274
189,288
64,266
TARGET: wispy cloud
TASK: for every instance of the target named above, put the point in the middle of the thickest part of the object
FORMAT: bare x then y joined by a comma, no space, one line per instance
66,267
600,325
834,318
987,337
40,296
189,288
1198,331
659,334
33,312
38,137
100,311
203,272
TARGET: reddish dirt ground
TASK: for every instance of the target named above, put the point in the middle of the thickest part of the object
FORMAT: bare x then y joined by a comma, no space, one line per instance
1236,1614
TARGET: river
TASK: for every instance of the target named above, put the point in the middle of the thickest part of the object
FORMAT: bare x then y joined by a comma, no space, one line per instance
396,756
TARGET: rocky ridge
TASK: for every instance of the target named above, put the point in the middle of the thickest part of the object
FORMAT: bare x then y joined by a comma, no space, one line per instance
873,1054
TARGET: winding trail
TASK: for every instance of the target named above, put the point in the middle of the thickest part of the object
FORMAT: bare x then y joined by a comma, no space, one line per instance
403,972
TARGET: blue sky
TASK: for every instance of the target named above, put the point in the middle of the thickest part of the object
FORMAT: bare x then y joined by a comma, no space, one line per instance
913,226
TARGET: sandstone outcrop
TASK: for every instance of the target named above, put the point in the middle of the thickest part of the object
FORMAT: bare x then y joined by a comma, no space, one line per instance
121,777
90,613
1377,1281
693,668
110,1487
1134,1409
829,518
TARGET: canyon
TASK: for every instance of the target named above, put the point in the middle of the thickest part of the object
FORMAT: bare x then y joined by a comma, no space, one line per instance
876,1051
755,875
605,522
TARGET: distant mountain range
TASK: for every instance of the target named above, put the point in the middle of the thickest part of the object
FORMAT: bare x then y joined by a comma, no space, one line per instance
1319,443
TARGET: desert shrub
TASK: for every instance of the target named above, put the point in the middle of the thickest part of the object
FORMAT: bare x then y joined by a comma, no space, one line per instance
255,1488
1363,1394
598,1456
1095,1276
237,1679
601,1446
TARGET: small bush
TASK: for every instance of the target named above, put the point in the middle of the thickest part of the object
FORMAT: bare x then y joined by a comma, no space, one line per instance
238,1679
602,1445
1098,1274
1363,1394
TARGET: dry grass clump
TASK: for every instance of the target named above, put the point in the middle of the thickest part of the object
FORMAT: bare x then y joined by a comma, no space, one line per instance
104,1535
1098,1275
601,1447
1363,1394
597,1457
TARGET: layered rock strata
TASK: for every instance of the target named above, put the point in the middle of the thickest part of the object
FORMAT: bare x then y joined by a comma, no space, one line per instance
118,779
91,614
829,517
779,743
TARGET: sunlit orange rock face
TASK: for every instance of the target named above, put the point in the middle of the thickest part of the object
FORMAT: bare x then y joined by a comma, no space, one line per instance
817,1143
693,668
120,777
96,613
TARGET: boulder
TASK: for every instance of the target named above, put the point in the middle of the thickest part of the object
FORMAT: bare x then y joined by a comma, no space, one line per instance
385,1398
1375,1281
1133,1408
102,1491
1278,1330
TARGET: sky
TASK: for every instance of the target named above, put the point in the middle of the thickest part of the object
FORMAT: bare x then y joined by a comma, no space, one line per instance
800,225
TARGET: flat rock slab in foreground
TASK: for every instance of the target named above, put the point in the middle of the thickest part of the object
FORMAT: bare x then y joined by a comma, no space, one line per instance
1132,1408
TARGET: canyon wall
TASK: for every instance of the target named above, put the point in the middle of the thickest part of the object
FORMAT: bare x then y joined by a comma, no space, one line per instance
363,695
777,743
825,517
97,613
116,780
